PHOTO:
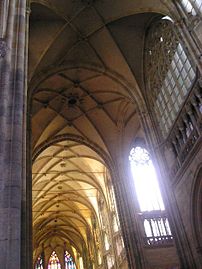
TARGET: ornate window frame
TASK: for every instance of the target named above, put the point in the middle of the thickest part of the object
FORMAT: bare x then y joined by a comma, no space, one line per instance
169,72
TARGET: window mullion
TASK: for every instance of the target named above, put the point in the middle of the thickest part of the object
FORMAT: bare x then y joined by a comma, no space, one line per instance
196,7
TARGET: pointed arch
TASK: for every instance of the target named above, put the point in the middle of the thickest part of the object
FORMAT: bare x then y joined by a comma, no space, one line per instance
170,78
54,262
152,210
144,175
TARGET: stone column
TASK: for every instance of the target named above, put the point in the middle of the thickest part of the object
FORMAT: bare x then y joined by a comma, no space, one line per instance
26,211
125,199
12,130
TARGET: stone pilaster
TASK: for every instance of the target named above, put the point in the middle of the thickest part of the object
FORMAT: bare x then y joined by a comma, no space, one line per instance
12,131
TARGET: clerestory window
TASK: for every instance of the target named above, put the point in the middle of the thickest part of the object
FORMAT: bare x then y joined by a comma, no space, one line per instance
146,184
169,72
154,219
192,7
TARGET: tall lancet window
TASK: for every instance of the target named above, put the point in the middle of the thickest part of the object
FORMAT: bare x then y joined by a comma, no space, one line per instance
170,73
39,263
156,225
146,184
69,263
54,262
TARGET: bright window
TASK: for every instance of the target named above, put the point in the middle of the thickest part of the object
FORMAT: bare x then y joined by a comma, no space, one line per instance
69,263
170,73
146,184
154,219
192,6
54,262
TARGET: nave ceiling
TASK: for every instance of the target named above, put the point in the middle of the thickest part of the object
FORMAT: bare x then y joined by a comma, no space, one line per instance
85,76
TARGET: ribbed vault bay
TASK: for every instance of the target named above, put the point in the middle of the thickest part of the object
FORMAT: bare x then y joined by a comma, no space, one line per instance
105,34
82,102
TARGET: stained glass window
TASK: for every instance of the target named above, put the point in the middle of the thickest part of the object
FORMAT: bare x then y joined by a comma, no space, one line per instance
69,263
54,262
39,263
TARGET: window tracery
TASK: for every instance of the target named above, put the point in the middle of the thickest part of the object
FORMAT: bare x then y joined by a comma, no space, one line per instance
54,262
192,7
157,229
169,72
144,175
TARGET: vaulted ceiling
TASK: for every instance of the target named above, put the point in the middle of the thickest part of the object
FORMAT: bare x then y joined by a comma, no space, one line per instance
85,89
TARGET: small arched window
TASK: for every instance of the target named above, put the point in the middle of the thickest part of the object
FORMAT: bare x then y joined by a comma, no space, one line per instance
69,263
39,263
54,262
170,73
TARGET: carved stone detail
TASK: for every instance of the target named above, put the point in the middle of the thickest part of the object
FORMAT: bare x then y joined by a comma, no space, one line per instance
200,82
3,47
192,21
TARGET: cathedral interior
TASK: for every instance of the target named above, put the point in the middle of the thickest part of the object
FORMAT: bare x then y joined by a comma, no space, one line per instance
100,134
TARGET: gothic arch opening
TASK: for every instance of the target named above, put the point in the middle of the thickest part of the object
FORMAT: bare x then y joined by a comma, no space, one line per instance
76,116
73,201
